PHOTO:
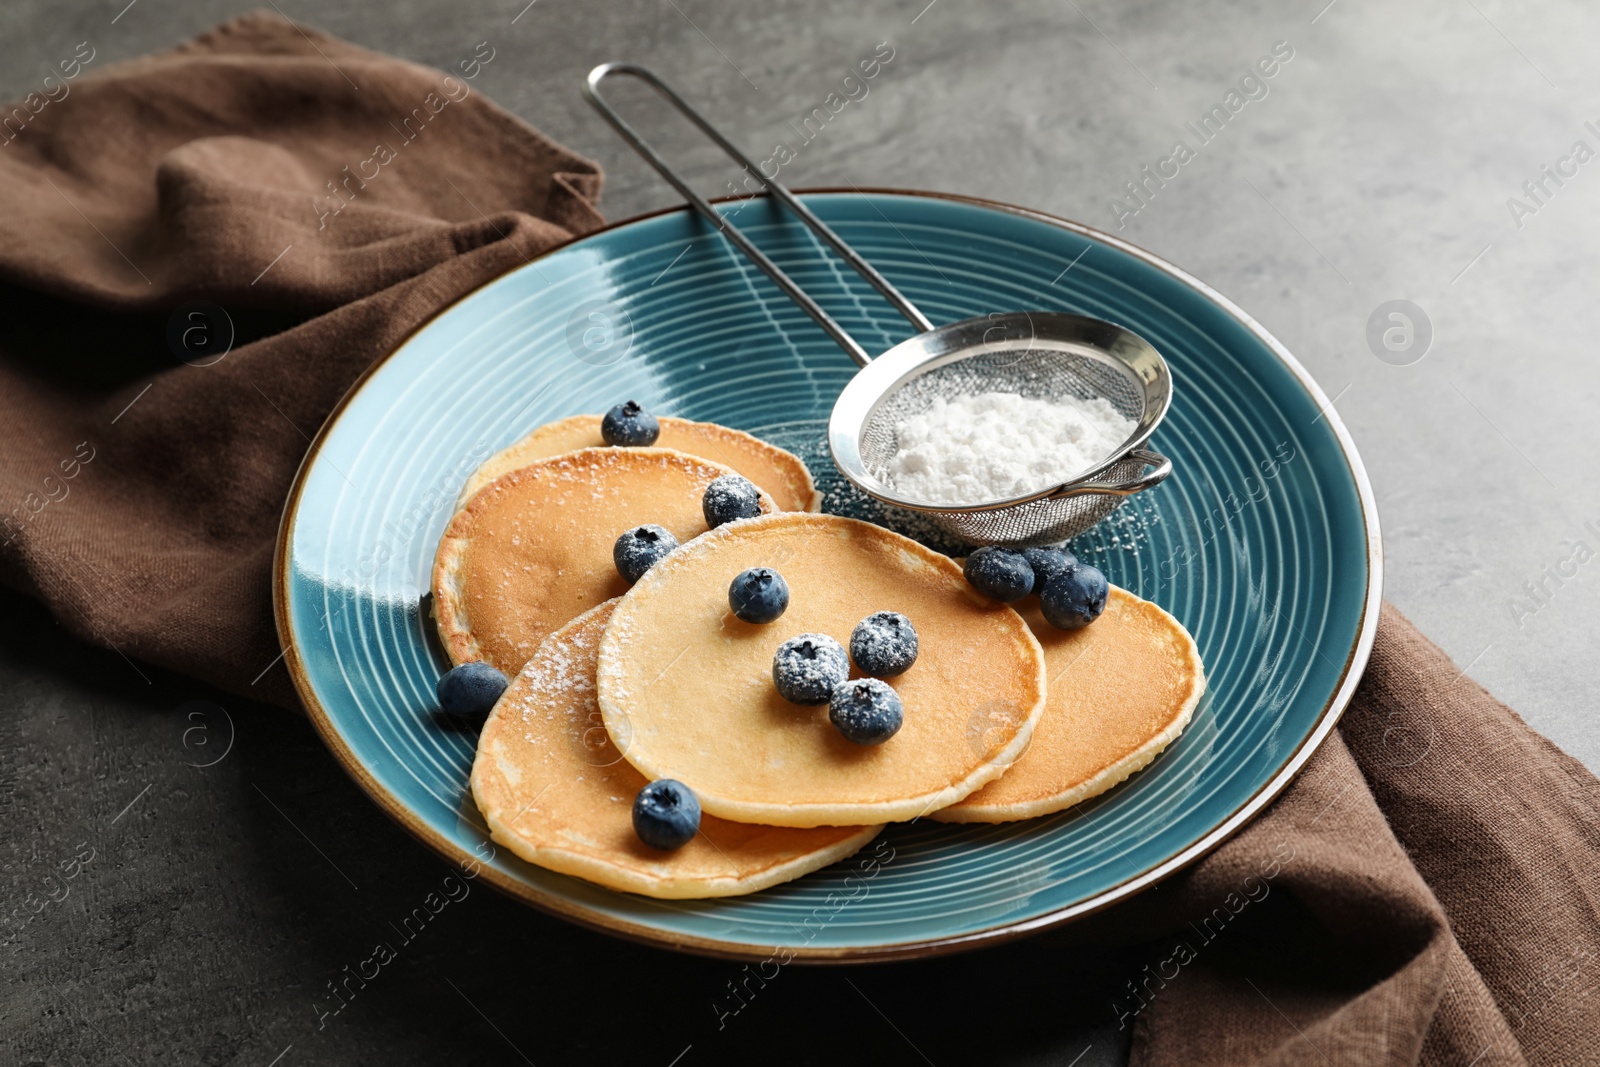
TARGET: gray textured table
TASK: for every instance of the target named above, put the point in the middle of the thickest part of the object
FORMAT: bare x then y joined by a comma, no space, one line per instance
1384,160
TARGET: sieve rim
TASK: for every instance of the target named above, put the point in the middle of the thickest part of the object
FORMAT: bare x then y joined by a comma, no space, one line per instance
1101,339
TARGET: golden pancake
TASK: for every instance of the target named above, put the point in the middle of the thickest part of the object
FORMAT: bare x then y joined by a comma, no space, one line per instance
555,791
780,473
1121,690
532,549
690,686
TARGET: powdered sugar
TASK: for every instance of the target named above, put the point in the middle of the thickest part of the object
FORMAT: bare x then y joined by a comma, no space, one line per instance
994,446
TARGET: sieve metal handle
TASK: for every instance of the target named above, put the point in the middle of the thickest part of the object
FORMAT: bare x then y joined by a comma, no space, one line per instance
1160,466
591,90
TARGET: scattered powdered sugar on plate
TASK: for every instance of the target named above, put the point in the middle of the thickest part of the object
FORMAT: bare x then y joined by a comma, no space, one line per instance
994,446
1124,530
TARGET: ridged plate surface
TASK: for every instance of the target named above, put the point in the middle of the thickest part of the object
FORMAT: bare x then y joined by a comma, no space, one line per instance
1263,542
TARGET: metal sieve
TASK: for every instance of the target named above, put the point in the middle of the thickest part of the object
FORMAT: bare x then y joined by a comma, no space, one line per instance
1043,355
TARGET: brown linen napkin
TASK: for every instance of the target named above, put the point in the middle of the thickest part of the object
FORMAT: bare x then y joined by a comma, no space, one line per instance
329,200
1425,892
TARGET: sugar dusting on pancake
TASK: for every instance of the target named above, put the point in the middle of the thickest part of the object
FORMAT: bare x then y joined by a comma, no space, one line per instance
691,686
557,792
532,549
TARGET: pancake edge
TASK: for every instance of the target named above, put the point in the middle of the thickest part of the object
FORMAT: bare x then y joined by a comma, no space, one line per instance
808,816
1111,776
475,482
449,609
608,876
591,869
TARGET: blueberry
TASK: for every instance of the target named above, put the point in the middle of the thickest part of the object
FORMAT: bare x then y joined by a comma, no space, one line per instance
1075,598
758,595
1000,573
866,710
732,496
470,689
1047,563
629,426
666,814
884,643
641,548
807,668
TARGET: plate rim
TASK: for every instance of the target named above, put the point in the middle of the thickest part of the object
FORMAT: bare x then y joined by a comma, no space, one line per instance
1354,665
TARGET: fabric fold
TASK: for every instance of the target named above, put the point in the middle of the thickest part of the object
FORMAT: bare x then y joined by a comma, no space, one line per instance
218,241
1432,902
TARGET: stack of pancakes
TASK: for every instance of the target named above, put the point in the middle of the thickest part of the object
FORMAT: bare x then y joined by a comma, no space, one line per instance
1005,717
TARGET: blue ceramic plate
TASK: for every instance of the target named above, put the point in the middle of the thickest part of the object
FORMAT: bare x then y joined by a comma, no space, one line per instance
1264,542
